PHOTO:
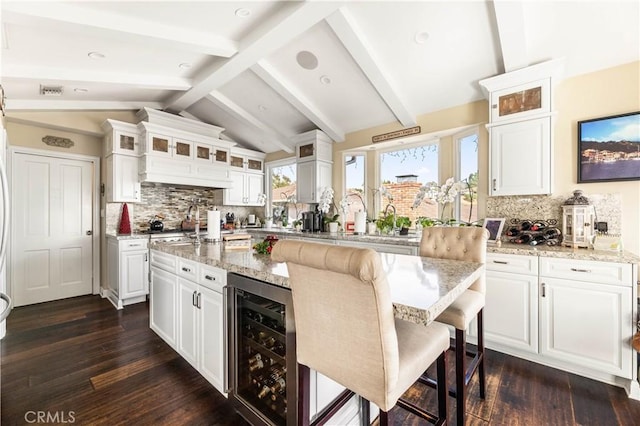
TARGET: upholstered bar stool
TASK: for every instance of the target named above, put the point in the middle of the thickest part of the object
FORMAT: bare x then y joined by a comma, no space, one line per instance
462,243
346,330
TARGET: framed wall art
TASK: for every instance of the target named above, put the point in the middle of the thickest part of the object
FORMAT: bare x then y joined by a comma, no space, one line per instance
609,148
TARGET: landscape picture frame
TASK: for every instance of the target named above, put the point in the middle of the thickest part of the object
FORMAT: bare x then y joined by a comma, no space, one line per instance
609,148
494,226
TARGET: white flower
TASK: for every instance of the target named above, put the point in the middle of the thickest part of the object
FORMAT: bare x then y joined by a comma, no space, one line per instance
441,194
325,200
262,198
344,206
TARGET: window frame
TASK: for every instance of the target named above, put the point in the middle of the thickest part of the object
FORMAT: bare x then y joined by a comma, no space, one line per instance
344,175
398,146
268,167
457,157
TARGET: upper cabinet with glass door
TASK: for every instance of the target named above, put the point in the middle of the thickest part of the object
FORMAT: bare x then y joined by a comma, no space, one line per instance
207,153
120,138
245,160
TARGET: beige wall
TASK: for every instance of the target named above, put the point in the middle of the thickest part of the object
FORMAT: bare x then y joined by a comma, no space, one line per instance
31,137
607,92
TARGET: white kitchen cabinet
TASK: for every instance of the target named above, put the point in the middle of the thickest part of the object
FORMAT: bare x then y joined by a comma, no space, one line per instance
162,310
520,158
584,320
520,129
576,315
312,177
199,314
246,160
188,321
121,150
121,182
511,306
127,271
245,190
174,156
312,146
120,138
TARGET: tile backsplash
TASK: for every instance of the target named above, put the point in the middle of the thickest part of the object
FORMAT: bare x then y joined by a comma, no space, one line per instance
544,207
172,202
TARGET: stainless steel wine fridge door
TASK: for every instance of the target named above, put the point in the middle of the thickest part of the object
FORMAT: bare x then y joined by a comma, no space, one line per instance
262,359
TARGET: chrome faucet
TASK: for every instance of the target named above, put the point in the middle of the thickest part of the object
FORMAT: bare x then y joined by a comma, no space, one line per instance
197,218
386,209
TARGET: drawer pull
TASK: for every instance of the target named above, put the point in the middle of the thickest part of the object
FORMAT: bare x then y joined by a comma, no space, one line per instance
210,278
501,262
135,245
186,269
581,270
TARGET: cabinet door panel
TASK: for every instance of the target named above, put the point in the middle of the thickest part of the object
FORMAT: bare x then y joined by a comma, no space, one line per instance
305,182
187,321
587,325
134,269
234,195
520,158
511,310
162,311
211,337
254,187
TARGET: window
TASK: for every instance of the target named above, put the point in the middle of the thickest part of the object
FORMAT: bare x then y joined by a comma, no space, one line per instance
403,172
281,200
354,172
467,172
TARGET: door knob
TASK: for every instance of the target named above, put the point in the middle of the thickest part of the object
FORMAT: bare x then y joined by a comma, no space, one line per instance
89,232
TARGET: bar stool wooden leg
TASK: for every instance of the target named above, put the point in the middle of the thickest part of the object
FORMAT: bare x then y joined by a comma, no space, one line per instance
303,395
481,353
461,389
384,418
442,388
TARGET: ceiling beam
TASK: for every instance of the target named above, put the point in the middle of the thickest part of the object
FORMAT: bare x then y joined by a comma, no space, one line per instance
354,40
294,19
511,31
58,104
66,16
144,81
243,115
294,96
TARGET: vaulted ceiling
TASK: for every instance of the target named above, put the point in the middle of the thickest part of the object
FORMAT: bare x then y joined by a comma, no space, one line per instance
268,70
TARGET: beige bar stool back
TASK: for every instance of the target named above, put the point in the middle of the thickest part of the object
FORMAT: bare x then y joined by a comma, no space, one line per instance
346,330
462,243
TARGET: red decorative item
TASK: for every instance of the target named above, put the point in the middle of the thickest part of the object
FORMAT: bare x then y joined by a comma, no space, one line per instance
125,224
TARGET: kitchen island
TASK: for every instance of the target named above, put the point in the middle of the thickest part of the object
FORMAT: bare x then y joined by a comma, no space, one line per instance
421,288
190,312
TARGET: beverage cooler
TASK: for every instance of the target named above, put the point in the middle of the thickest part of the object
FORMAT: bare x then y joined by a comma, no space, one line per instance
262,359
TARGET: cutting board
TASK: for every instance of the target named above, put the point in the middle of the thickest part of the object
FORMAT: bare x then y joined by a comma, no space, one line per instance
232,237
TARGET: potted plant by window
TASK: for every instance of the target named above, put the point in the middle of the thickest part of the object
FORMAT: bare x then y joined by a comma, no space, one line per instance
385,224
403,222
333,222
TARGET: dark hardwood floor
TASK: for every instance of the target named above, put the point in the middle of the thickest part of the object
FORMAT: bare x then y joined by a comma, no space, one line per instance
81,361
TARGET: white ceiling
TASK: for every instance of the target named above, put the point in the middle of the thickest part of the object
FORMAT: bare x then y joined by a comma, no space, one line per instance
243,73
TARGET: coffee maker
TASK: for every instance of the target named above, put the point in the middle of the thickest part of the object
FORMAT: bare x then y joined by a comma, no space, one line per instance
311,221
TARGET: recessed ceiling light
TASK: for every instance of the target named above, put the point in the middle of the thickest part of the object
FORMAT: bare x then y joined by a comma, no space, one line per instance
325,79
96,55
307,60
80,90
242,12
421,37
184,65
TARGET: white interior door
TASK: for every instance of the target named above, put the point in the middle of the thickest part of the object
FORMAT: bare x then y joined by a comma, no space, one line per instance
51,241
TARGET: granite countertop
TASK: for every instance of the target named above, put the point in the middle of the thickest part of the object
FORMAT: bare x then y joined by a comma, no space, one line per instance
506,248
421,288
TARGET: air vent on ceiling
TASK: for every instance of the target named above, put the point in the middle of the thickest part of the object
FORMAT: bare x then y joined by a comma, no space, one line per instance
51,90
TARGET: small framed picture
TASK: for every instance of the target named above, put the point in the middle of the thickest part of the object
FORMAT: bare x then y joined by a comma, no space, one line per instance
494,226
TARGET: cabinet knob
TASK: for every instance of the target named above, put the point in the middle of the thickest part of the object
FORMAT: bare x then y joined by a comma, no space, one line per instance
544,288
501,262
186,269
210,278
581,270
494,184
494,106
